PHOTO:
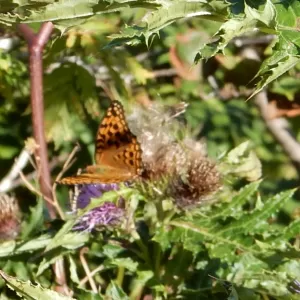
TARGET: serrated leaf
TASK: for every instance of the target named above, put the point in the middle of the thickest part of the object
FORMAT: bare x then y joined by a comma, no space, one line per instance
56,241
35,220
286,51
252,222
292,230
65,14
31,291
264,18
233,208
11,248
202,234
169,12
269,71
174,11
242,162
254,274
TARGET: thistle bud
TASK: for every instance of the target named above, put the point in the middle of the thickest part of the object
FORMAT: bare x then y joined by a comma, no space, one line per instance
10,217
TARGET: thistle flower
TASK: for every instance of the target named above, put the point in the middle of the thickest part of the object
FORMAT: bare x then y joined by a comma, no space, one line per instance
200,180
88,191
9,217
107,214
192,177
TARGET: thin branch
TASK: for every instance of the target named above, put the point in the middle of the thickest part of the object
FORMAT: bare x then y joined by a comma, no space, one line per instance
19,164
60,279
53,163
66,165
55,204
87,269
86,278
33,189
36,44
165,73
279,129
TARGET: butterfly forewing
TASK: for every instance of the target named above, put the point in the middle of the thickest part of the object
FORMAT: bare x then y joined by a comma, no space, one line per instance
116,146
117,155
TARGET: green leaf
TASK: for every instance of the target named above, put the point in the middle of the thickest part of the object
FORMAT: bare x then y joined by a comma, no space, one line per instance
234,207
65,100
233,294
286,51
274,67
35,220
242,162
66,14
286,86
252,222
49,260
174,11
12,248
7,248
292,230
253,273
73,270
127,263
112,251
29,290
59,237
169,12
264,19
199,234
114,291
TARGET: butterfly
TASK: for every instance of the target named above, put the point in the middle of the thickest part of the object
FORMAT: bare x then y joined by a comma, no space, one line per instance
118,154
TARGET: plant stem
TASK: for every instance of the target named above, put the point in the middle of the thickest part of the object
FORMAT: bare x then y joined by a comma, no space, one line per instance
120,275
36,44
157,258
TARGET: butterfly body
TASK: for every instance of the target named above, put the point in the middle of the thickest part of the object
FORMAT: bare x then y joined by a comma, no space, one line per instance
117,154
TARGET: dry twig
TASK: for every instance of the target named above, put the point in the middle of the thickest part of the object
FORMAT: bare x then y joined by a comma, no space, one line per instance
279,129
19,164
87,269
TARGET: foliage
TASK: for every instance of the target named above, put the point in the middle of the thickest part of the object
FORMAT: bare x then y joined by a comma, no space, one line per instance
242,243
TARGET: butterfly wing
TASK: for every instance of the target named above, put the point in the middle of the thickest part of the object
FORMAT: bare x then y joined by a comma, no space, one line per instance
90,178
116,146
118,154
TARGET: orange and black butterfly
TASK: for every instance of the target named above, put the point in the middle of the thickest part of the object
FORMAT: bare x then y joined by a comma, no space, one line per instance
118,154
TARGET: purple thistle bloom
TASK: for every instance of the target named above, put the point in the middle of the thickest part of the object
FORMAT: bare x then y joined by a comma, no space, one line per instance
88,191
107,214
